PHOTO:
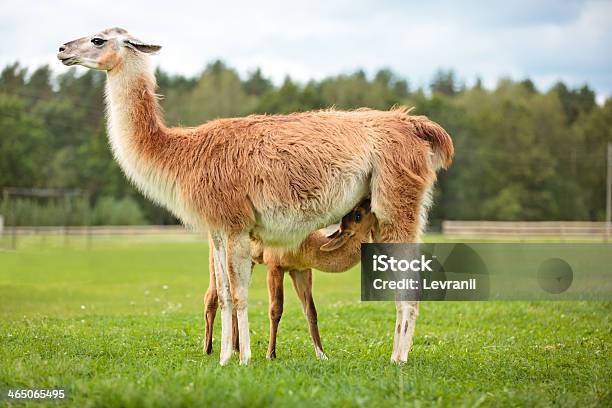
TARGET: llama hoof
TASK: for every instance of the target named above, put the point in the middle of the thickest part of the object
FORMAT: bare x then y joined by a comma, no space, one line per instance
271,355
225,358
244,360
402,355
397,361
321,355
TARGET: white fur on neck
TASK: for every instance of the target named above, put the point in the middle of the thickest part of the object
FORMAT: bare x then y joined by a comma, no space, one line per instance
153,182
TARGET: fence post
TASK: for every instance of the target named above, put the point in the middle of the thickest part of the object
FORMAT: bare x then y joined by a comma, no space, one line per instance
88,218
609,193
14,228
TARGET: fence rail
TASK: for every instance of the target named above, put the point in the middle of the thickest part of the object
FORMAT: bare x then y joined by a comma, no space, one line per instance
449,229
11,236
525,228
100,230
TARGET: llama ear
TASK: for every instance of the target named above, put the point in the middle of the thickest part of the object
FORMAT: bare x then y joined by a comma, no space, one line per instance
142,47
338,239
334,234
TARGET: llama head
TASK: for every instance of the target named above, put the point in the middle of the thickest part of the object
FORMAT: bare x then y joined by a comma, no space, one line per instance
356,225
106,50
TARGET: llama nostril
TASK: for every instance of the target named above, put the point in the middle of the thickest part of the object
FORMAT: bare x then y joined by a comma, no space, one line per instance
62,48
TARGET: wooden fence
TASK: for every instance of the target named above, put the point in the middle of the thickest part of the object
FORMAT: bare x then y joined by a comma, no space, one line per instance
10,236
100,230
561,229
459,229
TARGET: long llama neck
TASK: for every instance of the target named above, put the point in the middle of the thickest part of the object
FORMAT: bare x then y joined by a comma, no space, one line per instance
144,147
133,108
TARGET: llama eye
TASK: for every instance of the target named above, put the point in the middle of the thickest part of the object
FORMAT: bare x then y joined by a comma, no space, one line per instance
98,41
357,217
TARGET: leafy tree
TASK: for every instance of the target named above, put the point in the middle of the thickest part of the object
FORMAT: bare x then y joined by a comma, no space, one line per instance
575,101
13,78
256,84
445,83
22,138
283,100
218,93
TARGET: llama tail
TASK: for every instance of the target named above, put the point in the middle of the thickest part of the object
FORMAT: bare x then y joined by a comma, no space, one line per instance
430,131
441,143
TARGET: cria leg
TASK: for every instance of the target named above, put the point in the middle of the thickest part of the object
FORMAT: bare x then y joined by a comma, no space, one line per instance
276,298
302,282
211,303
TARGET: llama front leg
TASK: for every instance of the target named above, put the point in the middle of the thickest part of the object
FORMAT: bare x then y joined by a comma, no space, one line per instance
239,272
276,299
302,282
235,340
220,243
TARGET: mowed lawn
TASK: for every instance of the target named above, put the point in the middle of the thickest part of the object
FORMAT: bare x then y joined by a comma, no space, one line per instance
121,324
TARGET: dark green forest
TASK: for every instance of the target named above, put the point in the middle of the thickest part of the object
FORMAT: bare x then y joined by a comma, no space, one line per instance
522,153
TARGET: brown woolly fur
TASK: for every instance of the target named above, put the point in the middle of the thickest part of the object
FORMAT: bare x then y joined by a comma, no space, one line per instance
290,161
275,178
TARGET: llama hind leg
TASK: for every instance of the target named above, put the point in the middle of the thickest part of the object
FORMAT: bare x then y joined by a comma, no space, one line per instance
239,273
406,311
400,199
224,295
405,323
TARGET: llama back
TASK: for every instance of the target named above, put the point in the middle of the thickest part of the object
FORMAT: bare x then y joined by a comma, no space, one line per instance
420,126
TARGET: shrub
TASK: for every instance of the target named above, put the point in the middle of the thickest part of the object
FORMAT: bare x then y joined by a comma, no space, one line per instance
44,212
57,212
112,211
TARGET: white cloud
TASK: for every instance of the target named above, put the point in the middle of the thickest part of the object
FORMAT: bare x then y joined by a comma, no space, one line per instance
545,40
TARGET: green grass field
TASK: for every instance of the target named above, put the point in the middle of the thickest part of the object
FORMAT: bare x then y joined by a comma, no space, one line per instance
121,325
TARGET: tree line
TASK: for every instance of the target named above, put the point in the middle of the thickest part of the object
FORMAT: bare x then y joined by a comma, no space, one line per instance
521,153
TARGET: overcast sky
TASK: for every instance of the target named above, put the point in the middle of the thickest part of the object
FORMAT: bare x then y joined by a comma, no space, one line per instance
544,40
